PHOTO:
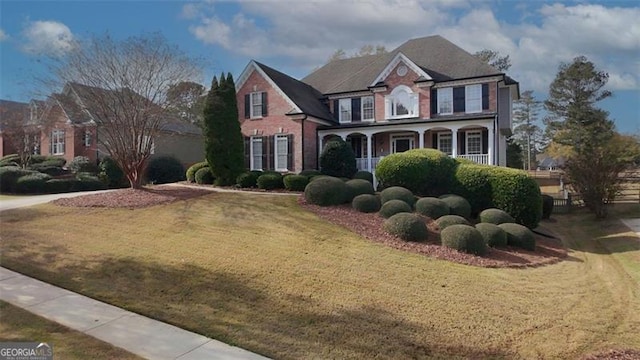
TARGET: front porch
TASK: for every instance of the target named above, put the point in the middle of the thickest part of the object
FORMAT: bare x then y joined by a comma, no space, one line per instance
471,141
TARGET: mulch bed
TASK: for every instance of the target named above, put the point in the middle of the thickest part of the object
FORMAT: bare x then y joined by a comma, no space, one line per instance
548,251
133,198
614,354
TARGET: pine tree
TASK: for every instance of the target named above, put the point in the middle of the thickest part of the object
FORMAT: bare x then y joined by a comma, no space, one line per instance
526,131
223,138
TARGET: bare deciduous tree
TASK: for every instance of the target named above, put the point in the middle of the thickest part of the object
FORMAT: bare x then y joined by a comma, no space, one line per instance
21,129
123,85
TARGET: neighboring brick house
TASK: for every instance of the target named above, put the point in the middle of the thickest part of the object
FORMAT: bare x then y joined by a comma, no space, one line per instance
68,129
427,93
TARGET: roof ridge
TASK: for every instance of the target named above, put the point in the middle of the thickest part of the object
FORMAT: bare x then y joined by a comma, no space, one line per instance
377,57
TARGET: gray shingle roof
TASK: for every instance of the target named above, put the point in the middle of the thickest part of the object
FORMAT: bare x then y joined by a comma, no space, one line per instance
304,96
437,56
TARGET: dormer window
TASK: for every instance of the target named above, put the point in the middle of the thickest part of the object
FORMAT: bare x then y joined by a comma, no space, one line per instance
401,103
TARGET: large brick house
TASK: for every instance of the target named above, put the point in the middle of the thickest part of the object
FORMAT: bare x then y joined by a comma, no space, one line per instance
427,93
67,128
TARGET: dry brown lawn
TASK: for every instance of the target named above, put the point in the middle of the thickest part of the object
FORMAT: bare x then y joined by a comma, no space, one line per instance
262,273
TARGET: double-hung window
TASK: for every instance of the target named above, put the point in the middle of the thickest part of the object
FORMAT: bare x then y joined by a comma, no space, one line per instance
256,105
367,108
345,110
474,142
281,152
256,153
473,98
57,142
445,101
445,143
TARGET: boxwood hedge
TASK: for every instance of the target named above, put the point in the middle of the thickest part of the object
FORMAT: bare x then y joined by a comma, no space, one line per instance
393,207
357,187
295,182
406,226
366,203
191,171
398,193
432,207
326,191
463,238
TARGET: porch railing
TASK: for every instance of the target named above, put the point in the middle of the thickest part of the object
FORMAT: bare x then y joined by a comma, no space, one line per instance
361,163
476,158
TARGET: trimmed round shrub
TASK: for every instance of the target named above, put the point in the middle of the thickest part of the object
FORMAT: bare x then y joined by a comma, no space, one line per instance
457,205
248,179
406,226
270,181
204,176
519,236
56,186
295,182
164,169
111,174
317,177
463,238
492,234
495,216
51,161
357,187
310,173
473,182
366,203
448,220
9,176
88,183
10,160
393,207
191,171
52,170
32,184
398,193
547,206
364,175
326,191
426,172
337,159
431,207
82,164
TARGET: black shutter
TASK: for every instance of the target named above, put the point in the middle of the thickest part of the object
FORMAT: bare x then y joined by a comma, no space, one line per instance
264,104
247,106
458,99
290,165
462,138
247,152
336,109
485,141
434,141
271,153
265,152
434,101
485,96
355,110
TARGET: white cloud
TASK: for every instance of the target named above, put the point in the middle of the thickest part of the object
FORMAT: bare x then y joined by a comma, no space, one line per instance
189,11
546,36
3,35
47,38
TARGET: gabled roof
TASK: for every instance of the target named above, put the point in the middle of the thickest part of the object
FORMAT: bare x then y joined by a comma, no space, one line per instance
304,96
438,57
12,112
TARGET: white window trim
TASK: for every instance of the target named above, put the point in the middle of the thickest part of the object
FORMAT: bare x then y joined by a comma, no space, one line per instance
57,146
406,136
87,138
373,108
443,135
278,166
252,141
449,92
253,115
467,99
414,102
470,134
348,102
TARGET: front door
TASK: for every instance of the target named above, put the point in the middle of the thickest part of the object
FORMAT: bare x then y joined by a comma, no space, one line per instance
402,144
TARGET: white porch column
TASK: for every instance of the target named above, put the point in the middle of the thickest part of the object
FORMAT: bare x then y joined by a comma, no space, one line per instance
319,147
491,143
369,147
421,140
344,137
454,142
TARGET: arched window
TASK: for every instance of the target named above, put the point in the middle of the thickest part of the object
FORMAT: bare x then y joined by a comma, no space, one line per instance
401,103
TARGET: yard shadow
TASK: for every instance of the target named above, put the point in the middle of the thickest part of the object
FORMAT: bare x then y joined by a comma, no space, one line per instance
241,310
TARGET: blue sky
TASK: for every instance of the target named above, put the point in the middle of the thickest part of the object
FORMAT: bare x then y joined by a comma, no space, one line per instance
298,36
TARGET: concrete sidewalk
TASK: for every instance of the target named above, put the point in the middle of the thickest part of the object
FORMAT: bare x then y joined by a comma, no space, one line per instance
135,333
633,224
24,201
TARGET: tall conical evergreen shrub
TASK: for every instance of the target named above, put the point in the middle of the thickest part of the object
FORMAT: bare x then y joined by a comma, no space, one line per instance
223,139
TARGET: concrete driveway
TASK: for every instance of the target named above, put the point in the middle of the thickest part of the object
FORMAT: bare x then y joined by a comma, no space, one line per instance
41,199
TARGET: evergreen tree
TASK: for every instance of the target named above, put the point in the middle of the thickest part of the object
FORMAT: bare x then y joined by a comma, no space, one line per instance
586,135
223,138
493,58
514,154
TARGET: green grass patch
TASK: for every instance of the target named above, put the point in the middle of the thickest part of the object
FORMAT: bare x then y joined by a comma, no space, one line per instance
19,325
264,274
